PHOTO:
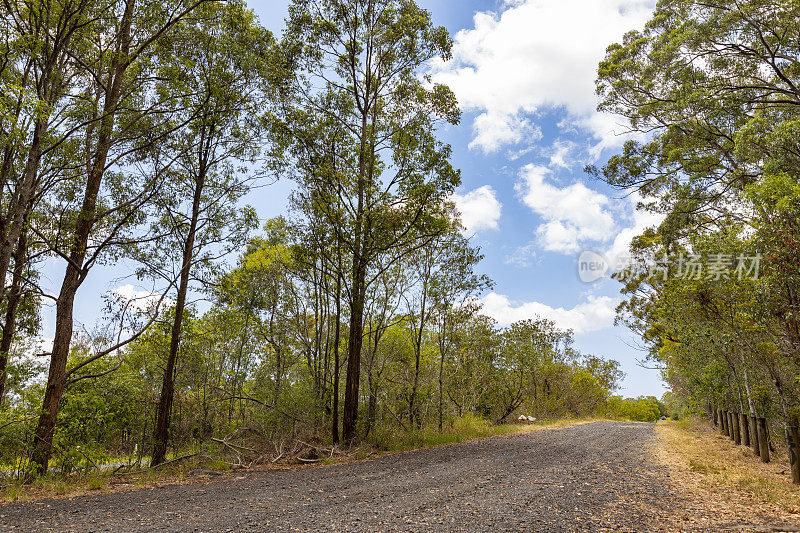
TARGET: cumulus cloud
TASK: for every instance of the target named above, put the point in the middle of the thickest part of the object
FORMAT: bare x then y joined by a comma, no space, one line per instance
595,314
139,300
490,133
480,209
534,55
573,214
618,252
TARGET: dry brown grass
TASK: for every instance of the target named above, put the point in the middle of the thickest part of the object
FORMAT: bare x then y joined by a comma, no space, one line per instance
725,486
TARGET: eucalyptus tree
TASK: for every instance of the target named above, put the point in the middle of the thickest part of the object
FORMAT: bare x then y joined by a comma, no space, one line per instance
41,44
319,145
713,88
469,370
370,55
96,213
445,288
218,66
714,84
454,287
529,349
22,305
386,332
38,77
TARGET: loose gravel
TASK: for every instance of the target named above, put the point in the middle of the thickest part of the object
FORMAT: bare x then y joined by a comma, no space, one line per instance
590,477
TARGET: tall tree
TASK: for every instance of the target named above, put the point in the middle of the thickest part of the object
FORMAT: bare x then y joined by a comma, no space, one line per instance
369,54
220,59
115,45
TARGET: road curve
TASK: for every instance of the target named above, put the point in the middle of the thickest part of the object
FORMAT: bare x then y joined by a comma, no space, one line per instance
589,477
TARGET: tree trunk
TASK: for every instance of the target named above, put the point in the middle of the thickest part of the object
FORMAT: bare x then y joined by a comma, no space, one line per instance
763,439
337,334
793,440
372,411
412,407
441,372
754,435
75,273
744,429
161,434
354,342
14,296
21,203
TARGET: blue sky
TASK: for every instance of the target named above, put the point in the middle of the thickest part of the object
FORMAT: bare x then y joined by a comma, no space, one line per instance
523,72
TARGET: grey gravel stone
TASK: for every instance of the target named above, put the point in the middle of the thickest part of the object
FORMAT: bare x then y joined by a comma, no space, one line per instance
590,477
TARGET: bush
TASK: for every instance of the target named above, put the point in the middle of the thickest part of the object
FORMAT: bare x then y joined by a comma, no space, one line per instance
641,409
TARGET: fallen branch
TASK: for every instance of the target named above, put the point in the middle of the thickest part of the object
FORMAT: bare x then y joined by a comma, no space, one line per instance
181,458
226,443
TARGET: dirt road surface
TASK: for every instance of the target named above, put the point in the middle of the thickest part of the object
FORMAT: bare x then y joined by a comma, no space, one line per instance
590,477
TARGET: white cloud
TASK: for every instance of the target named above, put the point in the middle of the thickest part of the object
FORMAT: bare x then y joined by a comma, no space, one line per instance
573,214
534,55
595,314
522,256
480,209
559,154
489,133
139,301
619,251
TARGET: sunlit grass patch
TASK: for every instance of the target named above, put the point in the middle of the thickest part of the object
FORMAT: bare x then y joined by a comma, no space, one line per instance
703,467
714,469
460,429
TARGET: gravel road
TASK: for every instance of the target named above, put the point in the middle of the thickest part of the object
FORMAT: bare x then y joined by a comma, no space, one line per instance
590,477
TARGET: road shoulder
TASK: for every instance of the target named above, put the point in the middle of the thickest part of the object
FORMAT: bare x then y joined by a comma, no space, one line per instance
724,487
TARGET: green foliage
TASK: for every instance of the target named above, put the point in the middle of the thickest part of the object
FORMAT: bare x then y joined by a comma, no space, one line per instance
641,409
718,159
366,284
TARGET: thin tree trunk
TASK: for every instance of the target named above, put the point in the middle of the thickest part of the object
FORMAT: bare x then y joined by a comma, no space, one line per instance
75,273
161,434
336,339
442,344
12,304
412,414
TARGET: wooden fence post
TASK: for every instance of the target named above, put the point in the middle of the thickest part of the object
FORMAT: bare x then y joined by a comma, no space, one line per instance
713,415
737,434
793,440
763,439
725,425
754,435
745,429
731,427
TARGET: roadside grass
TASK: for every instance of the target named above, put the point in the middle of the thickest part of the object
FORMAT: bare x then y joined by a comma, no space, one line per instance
461,429
723,479
53,485
92,481
86,482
